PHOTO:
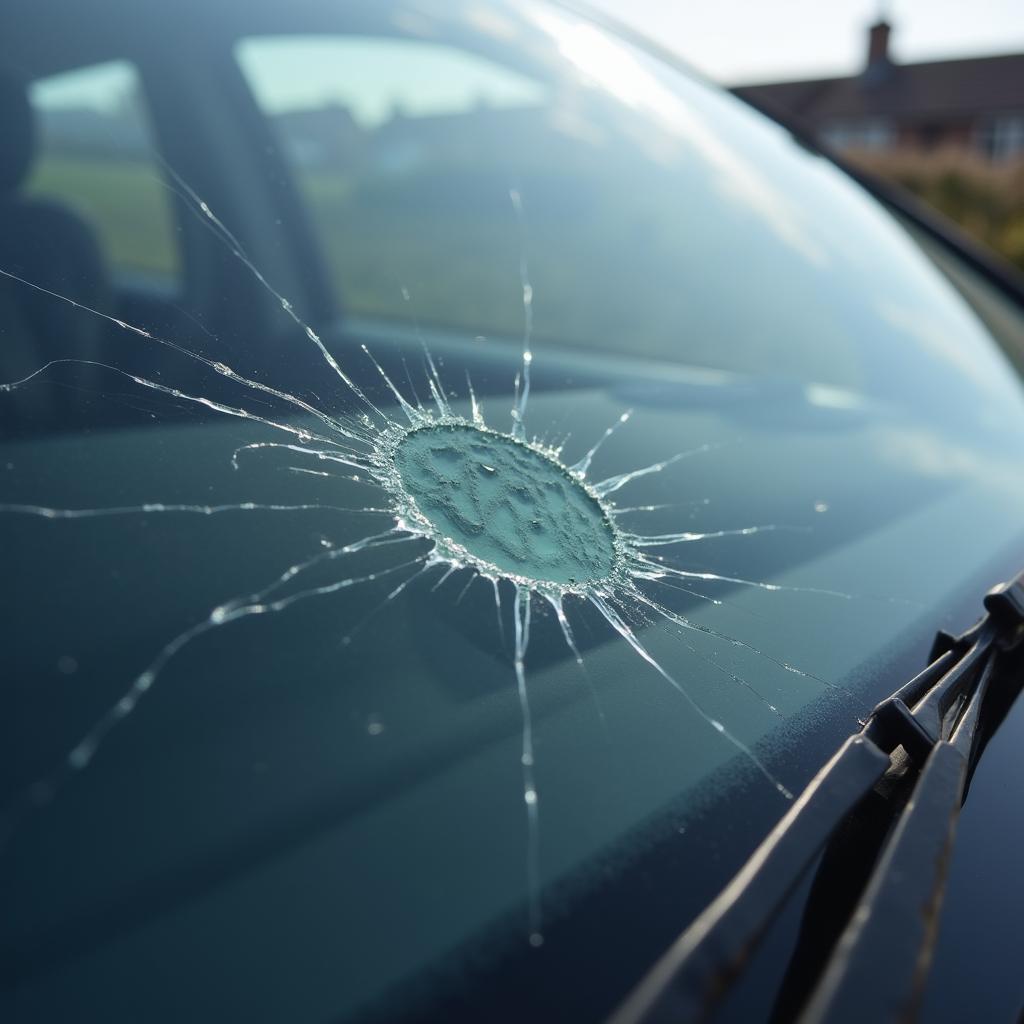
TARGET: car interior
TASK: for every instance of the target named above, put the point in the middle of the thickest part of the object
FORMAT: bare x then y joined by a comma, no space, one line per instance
45,242
201,134
199,118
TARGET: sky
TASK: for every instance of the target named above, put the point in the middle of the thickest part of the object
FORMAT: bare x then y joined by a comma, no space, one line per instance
737,41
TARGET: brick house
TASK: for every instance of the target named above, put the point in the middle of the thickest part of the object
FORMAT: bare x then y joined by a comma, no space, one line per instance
973,104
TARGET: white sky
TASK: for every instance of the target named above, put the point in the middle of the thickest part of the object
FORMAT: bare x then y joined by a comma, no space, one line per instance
737,41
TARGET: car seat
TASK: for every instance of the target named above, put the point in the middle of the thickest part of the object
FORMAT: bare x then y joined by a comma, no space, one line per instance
47,244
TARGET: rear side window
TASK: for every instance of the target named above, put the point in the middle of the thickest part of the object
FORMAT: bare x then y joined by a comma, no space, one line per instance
405,151
95,155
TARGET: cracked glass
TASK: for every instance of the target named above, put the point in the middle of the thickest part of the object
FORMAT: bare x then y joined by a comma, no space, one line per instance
506,473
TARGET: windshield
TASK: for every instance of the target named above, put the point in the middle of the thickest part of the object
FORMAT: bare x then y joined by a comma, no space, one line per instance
461,479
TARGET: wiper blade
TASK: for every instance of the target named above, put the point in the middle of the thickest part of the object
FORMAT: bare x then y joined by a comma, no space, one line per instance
914,755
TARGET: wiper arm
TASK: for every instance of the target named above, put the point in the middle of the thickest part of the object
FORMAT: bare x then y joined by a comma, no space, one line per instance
915,755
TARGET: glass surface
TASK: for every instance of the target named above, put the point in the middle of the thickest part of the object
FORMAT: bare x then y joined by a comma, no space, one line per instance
95,155
728,248
276,744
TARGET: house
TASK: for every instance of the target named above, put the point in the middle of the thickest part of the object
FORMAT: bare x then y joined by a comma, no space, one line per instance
975,104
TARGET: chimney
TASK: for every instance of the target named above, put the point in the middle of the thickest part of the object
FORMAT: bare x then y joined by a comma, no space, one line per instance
878,43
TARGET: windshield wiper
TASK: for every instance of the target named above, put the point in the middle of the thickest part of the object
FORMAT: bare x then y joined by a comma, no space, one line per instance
876,826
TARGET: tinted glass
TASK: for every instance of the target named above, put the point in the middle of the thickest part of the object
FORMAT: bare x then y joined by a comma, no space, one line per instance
95,155
306,719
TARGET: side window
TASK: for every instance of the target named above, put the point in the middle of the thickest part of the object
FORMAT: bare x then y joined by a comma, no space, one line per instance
95,156
404,151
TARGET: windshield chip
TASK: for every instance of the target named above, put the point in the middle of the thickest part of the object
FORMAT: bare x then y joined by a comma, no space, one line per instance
507,506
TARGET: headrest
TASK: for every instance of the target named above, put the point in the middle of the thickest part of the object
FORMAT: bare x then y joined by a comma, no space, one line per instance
16,133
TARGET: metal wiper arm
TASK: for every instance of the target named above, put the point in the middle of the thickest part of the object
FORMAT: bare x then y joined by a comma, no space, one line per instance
916,752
